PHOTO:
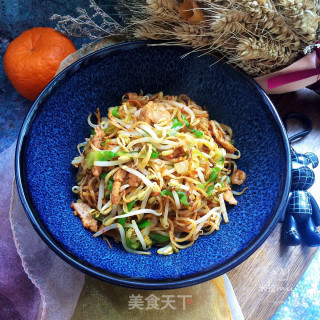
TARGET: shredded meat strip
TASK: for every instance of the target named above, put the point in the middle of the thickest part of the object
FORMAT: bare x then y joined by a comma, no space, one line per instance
228,196
219,137
96,171
82,210
238,177
118,178
152,113
134,181
98,138
207,170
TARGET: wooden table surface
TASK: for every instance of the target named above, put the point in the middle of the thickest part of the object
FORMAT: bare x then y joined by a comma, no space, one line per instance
264,281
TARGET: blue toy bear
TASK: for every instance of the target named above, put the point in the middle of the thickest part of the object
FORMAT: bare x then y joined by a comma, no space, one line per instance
302,216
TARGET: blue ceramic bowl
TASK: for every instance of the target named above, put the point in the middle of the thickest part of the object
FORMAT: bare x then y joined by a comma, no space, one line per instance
57,122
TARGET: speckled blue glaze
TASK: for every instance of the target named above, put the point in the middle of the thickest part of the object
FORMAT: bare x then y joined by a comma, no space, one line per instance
58,122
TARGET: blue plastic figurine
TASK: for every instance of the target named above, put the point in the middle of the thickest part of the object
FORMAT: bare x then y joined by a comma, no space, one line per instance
302,216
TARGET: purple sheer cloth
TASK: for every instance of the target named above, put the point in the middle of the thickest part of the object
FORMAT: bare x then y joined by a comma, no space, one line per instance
19,298
34,282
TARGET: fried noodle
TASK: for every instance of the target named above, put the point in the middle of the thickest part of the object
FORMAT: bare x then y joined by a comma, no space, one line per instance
155,171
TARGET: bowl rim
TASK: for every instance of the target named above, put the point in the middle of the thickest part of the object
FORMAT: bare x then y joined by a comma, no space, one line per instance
103,274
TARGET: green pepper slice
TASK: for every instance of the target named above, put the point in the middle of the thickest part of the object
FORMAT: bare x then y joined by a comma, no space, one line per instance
197,133
143,223
159,238
155,153
183,198
132,244
185,120
166,192
115,112
110,184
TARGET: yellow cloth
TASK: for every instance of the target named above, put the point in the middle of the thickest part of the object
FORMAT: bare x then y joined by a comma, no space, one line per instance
100,300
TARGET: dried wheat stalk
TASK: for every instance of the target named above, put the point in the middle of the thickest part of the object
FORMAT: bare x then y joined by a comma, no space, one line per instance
302,15
259,36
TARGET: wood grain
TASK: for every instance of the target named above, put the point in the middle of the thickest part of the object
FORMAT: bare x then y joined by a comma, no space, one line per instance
264,281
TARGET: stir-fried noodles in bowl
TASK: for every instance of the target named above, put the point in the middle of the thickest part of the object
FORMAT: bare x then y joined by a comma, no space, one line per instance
155,171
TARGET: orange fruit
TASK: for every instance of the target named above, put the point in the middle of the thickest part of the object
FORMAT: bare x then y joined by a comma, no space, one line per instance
33,58
189,10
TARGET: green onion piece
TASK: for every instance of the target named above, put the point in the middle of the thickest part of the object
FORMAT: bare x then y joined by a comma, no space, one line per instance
232,142
122,221
107,196
159,238
176,126
128,154
108,155
176,123
183,198
132,243
121,153
130,205
213,173
213,176
144,223
102,144
99,156
110,184
210,189
197,133
166,192
155,153
221,184
115,112
98,217
200,154
174,132
215,170
103,175
90,158
185,120
92,132
220,163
